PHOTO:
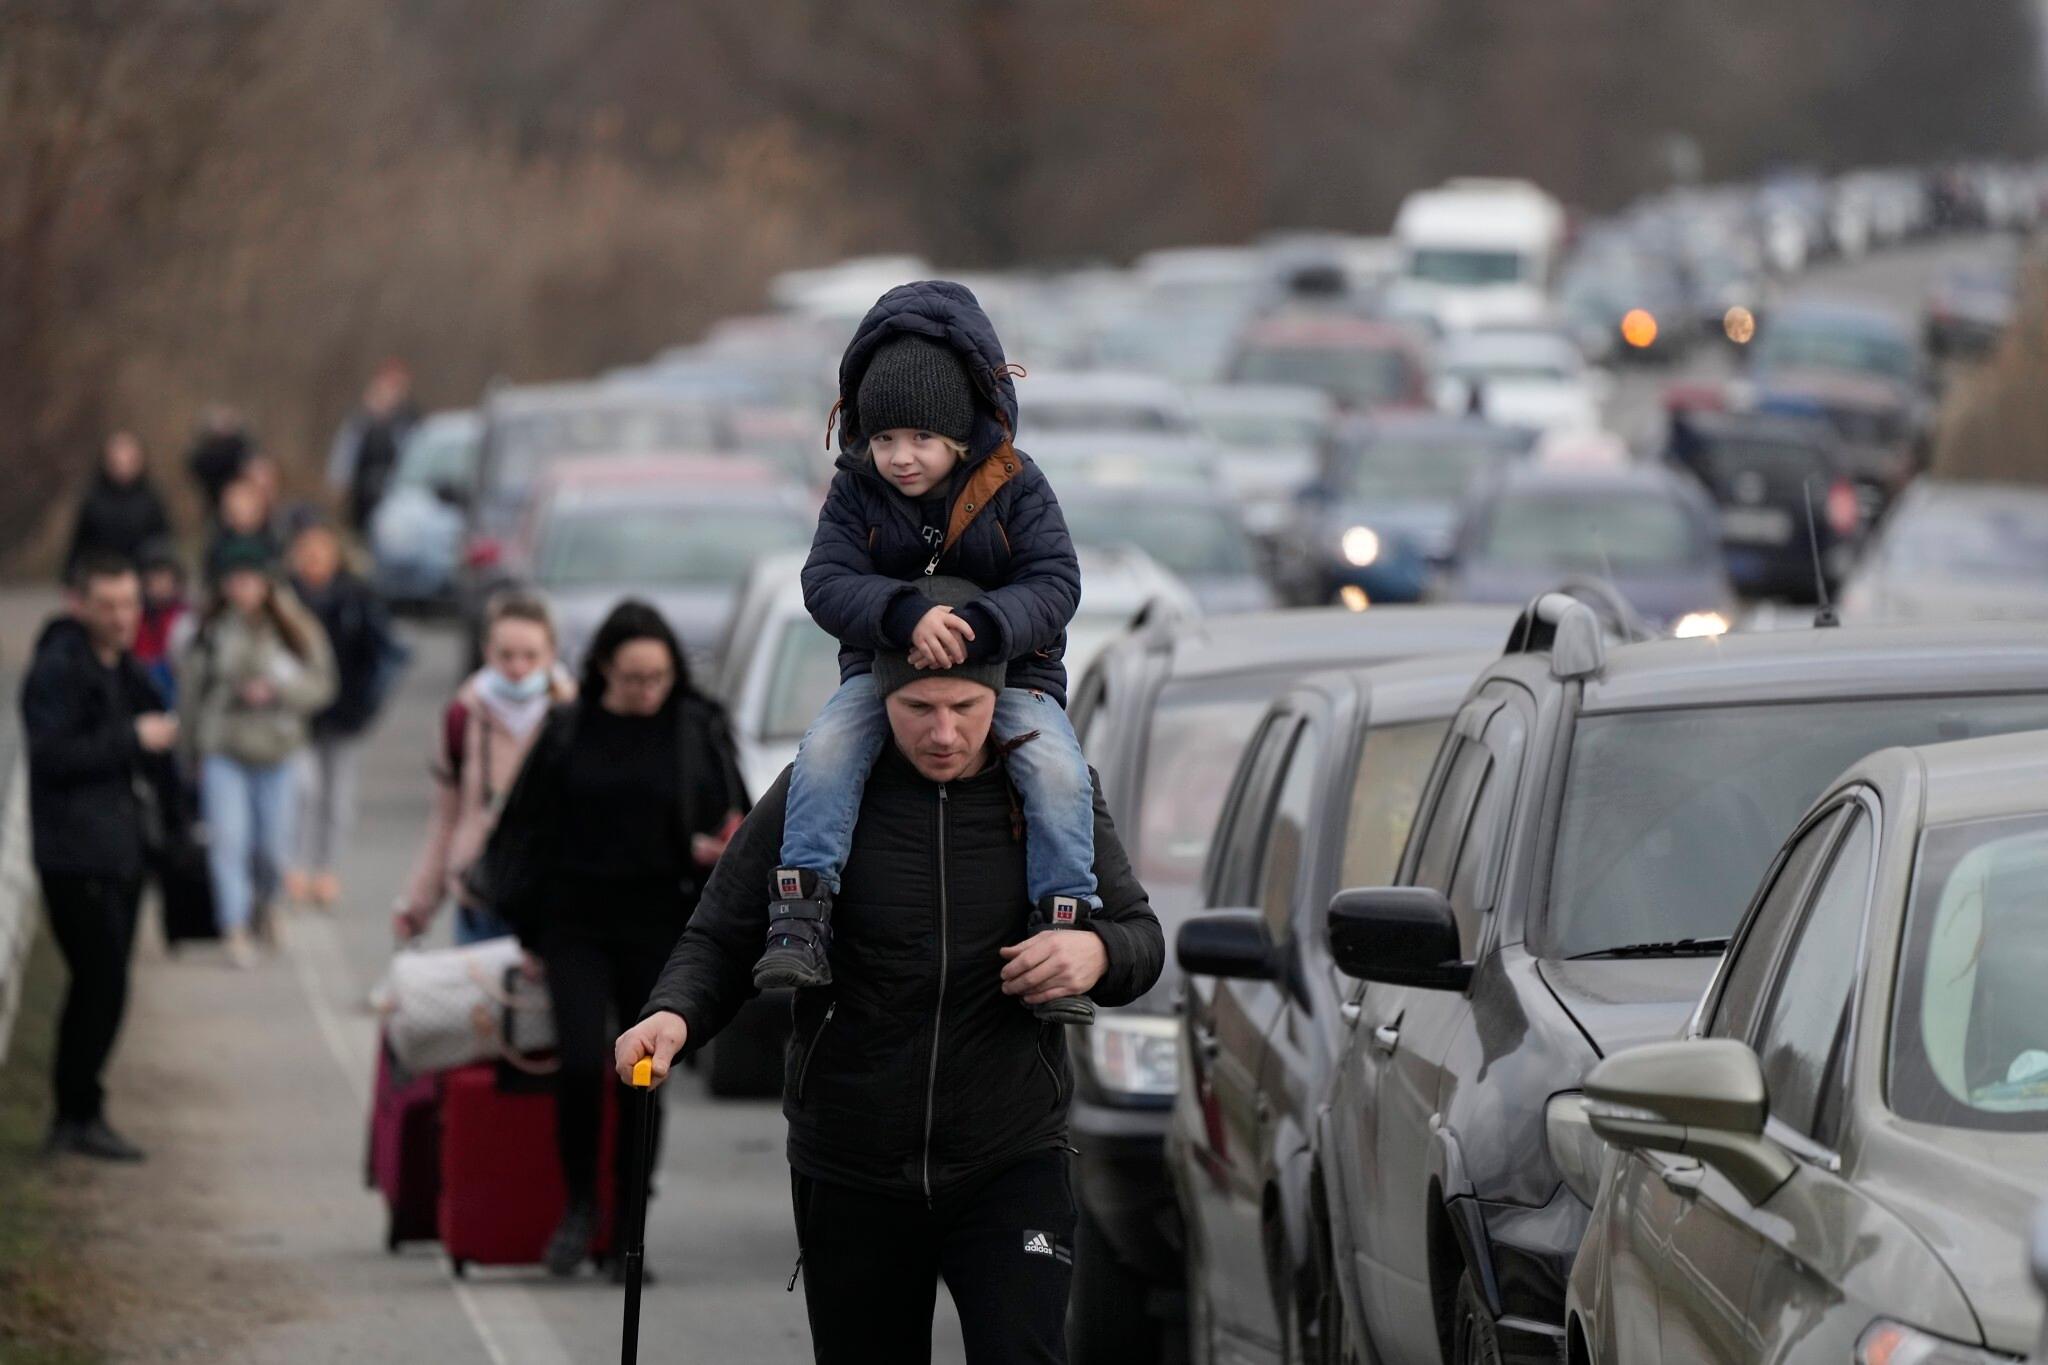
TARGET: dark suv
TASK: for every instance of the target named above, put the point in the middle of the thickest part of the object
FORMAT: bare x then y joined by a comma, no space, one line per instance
1590,834
1164,716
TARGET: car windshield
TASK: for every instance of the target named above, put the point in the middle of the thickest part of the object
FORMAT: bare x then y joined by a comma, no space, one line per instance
1598,532
1357,376
1104,415
1987,540
1263,430
1190,539
802,673
1970,1029
437,456
1449,265
1198,734
1794,347
708,544
1420,471
1671,817
526,445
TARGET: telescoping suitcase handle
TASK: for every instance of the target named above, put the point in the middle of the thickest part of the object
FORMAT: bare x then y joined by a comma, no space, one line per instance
634,1232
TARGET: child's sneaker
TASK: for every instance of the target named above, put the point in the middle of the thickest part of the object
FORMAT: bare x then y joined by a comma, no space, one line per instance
1062,912
799,932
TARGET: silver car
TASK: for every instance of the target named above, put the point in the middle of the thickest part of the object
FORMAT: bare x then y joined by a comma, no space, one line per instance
1841,1159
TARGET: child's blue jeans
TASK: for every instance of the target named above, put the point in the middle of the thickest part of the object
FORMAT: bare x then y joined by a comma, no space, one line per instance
1051,777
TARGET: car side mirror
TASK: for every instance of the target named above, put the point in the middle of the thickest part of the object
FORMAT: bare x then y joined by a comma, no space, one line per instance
1398,935
1702,1097
1230,943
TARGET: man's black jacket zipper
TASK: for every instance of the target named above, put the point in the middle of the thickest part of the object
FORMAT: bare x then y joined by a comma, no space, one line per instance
931,1085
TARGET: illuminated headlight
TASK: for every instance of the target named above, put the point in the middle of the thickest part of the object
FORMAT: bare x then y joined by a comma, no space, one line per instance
1696,625
1894,1343
1361,545
1135,1054
1575,1149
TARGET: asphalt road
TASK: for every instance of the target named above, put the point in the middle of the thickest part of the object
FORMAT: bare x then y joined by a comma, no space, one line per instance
251,1089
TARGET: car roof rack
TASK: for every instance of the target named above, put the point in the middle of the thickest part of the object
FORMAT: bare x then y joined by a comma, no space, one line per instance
1567,629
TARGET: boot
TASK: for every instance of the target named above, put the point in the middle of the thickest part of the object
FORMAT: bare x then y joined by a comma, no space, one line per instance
241,949
571,1241
799,932
1062,912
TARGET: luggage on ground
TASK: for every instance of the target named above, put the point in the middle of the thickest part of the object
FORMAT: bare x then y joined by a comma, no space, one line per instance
448,1007
405,1150
185,885
501,1180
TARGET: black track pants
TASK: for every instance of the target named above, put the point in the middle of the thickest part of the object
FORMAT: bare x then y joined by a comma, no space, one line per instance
93,921
1004,1247
597,988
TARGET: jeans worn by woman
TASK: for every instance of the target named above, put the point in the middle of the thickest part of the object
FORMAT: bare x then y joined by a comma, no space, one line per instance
248,809
1050,773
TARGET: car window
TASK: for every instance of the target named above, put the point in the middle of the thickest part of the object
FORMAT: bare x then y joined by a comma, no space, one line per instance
1393,768
1088,704
1242,825
1808,1017
1197,734
1449,821
1750,963
803,674
1601,532
1286,844
1969,1034
661,545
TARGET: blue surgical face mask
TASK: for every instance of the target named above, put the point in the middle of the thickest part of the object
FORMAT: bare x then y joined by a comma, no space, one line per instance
525,689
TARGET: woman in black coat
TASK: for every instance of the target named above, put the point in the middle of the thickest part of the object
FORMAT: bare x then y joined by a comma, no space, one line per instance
122,511
622,806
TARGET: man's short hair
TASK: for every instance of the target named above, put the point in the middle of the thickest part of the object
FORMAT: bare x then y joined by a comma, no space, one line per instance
97,564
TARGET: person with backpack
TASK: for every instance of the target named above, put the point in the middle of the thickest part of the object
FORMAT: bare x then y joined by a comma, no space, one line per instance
364,453
256,671
368,659
927,1111
122,512
928,480
626,798
483,739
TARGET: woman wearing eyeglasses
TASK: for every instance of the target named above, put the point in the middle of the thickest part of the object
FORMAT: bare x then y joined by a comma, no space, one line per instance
624,803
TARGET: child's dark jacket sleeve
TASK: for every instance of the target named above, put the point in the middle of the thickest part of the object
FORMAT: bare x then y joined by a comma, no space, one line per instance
842,591
1037,599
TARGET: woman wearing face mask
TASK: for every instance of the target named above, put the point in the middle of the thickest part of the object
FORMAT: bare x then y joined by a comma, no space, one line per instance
484,737
257,668
624,804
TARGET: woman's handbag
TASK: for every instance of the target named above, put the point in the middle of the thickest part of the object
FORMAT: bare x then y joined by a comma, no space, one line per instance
449,1007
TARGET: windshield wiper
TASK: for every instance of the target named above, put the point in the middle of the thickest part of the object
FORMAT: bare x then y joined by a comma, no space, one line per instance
1677,947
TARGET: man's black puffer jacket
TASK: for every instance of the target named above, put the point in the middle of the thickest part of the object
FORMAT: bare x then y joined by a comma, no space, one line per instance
912,1071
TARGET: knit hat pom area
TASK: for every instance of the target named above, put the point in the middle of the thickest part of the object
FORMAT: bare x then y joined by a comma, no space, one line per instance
915,382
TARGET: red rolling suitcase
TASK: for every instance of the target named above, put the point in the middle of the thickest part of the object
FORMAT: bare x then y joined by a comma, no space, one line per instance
405,1151
501,1181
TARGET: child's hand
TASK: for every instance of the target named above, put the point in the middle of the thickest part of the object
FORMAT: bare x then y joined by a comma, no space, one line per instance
940,640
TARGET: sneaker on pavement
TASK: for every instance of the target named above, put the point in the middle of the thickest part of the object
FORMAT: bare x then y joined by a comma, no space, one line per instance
93,1139
1062,912
241,949
572,1238
799,932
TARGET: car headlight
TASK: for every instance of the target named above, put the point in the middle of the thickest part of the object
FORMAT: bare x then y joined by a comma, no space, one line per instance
1135,1054
1361,545
1575,1149
1699,625
1893,1343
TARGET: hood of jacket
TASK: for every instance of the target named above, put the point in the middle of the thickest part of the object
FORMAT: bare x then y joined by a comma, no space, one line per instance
947,313
65,638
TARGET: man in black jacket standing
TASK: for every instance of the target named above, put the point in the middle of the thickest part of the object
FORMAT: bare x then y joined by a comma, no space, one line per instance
95,727
926,1103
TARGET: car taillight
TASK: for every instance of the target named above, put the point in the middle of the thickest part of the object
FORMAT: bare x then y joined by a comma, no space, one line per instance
483,552
1845,513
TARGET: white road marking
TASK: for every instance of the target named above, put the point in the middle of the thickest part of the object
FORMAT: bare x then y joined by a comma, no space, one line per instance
512,1331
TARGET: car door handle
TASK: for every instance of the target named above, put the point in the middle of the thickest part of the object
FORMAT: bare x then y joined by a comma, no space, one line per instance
1351,1009
1265,1108
1386,1037
1206,1044
1681,1180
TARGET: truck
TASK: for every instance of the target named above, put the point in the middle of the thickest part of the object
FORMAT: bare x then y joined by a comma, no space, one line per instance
1477,252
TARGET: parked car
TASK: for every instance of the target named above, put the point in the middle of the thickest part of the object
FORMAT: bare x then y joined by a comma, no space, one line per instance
1956,552
1382,513
1105,401
1968,308
1790,518
1623,303
1590,834
1194,533
1364,366
677,531
1270,437
1652,535
1521,377
416,532
1323,798
1073,458
1842,1157
1163,717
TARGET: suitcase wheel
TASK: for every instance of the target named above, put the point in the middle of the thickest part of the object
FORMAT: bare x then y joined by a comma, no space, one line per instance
461,1268
391,1237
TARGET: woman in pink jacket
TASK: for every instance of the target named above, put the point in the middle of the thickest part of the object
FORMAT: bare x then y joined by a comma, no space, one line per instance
485,734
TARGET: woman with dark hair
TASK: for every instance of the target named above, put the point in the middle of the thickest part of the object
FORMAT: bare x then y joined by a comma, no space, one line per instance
122,511
624,801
